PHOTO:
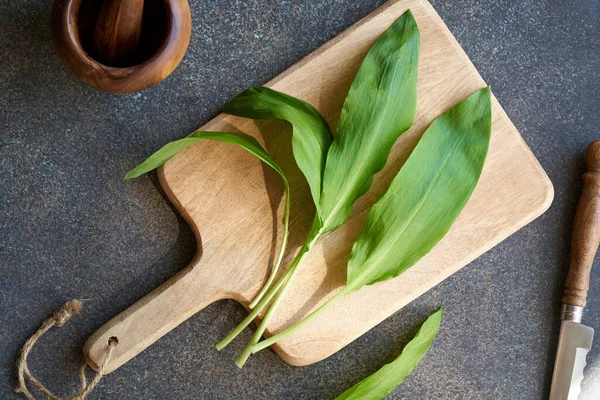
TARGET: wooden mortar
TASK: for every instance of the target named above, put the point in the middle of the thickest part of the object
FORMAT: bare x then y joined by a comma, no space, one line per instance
159,50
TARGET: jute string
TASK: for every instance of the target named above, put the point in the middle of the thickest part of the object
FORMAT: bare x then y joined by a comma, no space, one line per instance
58,319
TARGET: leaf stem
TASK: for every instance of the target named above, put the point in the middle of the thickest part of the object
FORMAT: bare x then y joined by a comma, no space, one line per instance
275,338
315,234
286,223
254,313
243,357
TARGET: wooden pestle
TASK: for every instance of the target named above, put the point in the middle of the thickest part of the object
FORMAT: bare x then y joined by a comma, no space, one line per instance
118,30
586,231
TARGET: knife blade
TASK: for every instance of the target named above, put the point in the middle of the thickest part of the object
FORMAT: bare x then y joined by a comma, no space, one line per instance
574,342
575,339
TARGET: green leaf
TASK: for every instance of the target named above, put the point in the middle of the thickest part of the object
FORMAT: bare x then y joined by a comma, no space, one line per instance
380,106
311,135
169,150
247,143
382,382
426,196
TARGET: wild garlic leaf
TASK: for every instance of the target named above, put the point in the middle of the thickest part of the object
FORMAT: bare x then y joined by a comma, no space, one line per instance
380,106
311,135
382,382
426,196
169,150
247,143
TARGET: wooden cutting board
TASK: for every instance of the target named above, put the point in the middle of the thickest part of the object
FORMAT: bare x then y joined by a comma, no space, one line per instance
234,205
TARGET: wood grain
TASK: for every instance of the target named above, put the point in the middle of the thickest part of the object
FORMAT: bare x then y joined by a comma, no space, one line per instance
161,47
118,30
234,204
586,231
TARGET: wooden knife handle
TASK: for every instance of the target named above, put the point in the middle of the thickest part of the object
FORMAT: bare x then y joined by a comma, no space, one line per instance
586,231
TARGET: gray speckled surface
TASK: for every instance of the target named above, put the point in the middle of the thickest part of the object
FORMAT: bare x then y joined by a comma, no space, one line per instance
71,228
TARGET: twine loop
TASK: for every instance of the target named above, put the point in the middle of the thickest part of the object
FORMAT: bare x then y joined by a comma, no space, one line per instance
58,319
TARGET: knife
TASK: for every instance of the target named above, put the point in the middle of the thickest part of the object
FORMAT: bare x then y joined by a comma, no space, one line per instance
575,339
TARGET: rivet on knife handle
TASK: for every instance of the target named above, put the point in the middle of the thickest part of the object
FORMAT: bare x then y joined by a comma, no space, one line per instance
586,236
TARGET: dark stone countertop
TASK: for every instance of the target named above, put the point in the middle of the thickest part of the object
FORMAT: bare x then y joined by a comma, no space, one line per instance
71,228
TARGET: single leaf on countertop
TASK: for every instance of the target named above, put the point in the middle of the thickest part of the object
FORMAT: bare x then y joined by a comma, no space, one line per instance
380,106
382,382
247,143
311,136
426,196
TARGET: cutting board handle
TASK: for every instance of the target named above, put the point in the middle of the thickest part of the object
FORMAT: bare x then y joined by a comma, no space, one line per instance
153,316
586,231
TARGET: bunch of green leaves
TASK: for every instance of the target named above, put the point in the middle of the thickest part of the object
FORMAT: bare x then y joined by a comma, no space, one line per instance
422,201
379,107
